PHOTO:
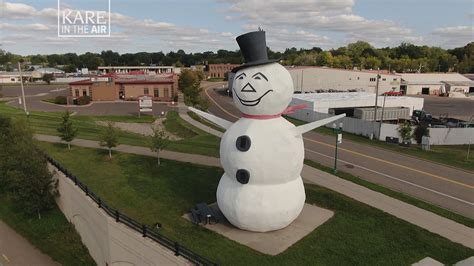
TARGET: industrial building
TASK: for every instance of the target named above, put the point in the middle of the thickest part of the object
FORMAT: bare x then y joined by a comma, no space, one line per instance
309,79
356,104
125,87
219,70
29,76
435,83
145,69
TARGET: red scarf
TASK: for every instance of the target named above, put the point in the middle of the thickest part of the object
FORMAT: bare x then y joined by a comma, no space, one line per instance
288,110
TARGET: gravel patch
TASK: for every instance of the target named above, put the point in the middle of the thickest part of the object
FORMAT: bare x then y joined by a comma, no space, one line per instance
144,129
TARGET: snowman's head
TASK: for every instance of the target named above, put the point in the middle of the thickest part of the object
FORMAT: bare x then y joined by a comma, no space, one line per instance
262,90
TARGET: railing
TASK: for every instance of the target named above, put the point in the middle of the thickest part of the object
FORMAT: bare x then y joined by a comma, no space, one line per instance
119,217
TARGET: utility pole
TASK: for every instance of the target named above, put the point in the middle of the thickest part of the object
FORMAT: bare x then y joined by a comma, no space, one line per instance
338,132
22,89
381,119
376,96
302,80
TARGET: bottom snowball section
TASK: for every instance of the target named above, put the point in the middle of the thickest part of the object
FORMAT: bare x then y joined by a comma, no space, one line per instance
260,208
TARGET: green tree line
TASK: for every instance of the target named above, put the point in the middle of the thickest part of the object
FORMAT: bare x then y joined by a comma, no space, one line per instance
403,58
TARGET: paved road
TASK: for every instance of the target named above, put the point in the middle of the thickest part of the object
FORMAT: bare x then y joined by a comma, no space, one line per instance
434,223
16,250
441,185
36,95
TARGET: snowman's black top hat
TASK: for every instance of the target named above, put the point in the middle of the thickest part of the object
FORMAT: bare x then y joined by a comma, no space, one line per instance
254,49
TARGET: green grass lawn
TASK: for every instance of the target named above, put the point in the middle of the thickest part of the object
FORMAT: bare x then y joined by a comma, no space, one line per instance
357,234
52,234
52,100
205,122
452,155
194,140
394,194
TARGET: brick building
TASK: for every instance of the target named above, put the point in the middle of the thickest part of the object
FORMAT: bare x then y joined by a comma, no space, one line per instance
161,89
219,70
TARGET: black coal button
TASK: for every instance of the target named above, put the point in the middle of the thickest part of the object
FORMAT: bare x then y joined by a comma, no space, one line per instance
243,143
243,176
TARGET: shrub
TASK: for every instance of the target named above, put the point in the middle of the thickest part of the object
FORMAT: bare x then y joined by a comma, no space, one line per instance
83,100
420,131
405,131
60,100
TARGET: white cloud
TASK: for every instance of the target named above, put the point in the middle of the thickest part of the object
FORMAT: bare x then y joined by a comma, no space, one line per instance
24,27
127,33
16,10
455,36
314,17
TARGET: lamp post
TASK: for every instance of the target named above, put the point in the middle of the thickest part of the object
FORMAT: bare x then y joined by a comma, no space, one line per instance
338,131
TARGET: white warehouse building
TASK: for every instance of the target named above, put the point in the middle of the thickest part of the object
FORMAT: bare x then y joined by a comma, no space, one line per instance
308,79
337,103
435,83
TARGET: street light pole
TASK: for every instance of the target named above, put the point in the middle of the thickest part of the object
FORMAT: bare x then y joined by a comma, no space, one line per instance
338,132
376,99
22,89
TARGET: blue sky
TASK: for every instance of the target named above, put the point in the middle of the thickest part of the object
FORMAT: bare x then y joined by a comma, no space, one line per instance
30,27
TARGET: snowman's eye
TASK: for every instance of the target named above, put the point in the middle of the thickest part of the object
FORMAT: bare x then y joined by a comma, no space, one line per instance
259,75
241,76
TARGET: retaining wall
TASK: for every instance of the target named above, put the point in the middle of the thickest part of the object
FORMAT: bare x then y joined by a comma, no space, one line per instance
109,242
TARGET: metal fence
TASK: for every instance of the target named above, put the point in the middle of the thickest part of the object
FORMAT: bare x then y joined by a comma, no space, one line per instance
119,217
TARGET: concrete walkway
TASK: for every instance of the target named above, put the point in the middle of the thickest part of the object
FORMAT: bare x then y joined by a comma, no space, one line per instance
187,118
16,250
434,223
183,113
171,155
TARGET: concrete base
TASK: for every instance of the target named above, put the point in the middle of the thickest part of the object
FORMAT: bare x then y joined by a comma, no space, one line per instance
428,262
275,242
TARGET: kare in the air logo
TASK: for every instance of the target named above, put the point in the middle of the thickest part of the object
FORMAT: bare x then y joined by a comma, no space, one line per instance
90,21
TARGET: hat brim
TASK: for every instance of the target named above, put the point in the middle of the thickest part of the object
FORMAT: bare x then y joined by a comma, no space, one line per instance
254,63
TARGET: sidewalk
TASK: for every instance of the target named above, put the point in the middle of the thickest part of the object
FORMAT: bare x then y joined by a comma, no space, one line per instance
16,250
183,113
434,223
171,155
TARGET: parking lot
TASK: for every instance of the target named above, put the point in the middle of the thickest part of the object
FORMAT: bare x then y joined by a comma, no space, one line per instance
35,96
459,108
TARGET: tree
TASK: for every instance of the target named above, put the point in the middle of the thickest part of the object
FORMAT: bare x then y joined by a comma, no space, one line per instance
203,103
158,141
66,130
189,78
189,83
420,132
47,78
70,69
405,132
109,138
24,174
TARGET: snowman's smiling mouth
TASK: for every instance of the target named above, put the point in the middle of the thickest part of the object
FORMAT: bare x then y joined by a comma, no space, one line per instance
251,102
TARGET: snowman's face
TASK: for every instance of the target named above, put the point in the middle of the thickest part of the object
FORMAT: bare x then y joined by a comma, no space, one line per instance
262,90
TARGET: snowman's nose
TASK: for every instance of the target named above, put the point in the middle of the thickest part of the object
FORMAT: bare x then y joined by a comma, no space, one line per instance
242,176
248,88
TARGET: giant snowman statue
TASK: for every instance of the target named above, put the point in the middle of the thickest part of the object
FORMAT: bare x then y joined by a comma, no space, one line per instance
262,153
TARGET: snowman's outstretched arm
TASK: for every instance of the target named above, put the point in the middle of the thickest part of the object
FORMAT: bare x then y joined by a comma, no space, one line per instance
214,119
310,126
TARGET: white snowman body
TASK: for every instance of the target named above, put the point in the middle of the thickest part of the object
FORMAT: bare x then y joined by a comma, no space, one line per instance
261,189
